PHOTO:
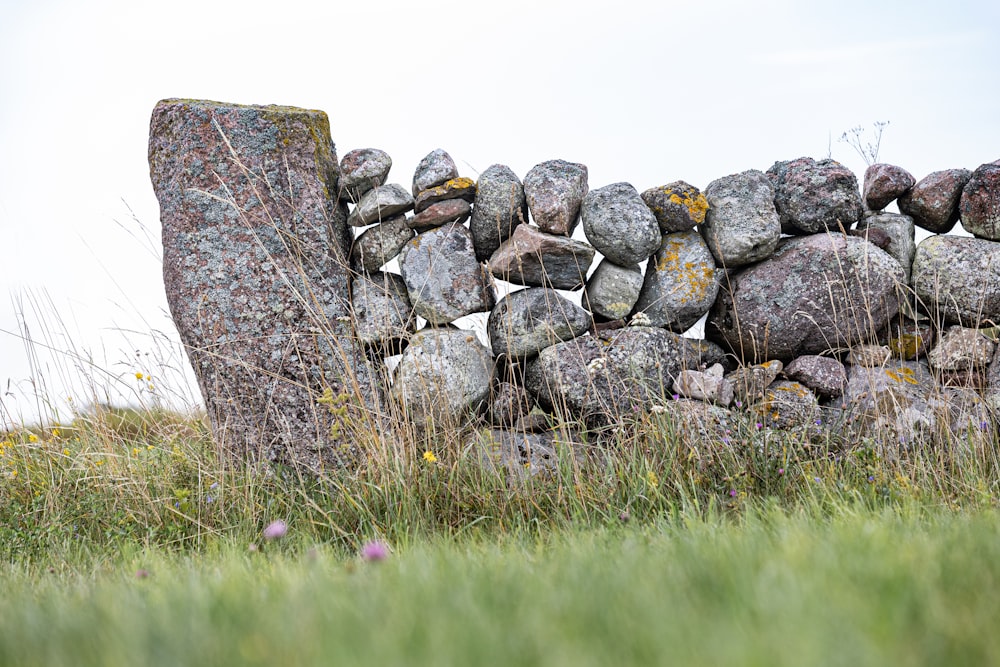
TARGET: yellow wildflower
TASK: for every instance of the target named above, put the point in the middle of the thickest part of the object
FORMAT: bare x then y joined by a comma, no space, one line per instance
429,457
55,433
138,375
32,437
652,480
99,462
66,452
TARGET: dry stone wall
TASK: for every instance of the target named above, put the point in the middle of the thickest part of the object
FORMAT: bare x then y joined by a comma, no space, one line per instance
820,307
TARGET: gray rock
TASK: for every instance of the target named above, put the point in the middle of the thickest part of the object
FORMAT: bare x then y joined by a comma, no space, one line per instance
750,382
742,225
455,188
442,276
612,290
957,279
907,339
436,168
379,204
933,201
523,455
816,293
961,349
379,244
678,206
500,206
554,191
788,405
884,183
443,377
601,378
381,310
509,404
815,196
709,386
868,354
361,170
443,212
532,257
980,203
902,239
619,224
825,376
525,322
257,278
681,282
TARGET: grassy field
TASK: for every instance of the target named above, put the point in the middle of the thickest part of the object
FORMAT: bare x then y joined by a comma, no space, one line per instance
126,540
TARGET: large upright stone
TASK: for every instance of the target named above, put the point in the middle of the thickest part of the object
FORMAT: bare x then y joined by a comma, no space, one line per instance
742,225
681,282
500,207
816,293
815,196
255,269
554,190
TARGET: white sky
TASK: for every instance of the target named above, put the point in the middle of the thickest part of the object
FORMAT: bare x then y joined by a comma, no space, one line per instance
644,92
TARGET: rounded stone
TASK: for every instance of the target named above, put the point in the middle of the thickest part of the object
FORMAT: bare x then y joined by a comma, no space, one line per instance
443,377
825,376
525,322
933,201
619,224
815,196
554,191
678,206
380,204
361,170
532,257
742,225
443,212
980,203
883,183
436,168
380,309
681,282
612,290
500,206
957,279
379,244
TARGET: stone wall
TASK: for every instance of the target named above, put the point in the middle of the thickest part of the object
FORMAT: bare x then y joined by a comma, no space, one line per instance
821,308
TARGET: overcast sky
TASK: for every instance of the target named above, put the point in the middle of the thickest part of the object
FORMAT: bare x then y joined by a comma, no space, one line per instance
644,92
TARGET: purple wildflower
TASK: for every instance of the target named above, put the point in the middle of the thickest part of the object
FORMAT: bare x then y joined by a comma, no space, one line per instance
275,530
375,551
732,493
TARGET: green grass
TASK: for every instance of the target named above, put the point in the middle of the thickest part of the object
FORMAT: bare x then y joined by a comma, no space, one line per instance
772,588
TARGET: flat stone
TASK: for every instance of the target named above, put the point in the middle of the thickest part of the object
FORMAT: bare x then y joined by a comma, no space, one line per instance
436,168
361,170
957,279
901,233
554,191
443,212
678,206
455,188
883,183
442,276
824,376
962,349
619,224
813,196
742,225
980,202
381,310
704,386
532,257
500,206
381,203
238,260
612,290
817,292
680,284
379,244
443,378
934,201
525,322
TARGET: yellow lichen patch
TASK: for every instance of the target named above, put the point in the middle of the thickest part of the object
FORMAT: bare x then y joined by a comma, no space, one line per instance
697,206
901,375
906,346
798,389
460,183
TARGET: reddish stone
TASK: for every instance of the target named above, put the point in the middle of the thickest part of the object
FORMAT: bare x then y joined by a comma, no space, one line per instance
933,201
885,182
980,203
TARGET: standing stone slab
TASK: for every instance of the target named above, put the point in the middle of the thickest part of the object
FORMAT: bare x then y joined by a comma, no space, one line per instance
554,191
532,257
612,290
500,206
619,224
742,225
815,196
527,321
681,282
933,201
442,275
980,203
257,287
957,279
817,292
